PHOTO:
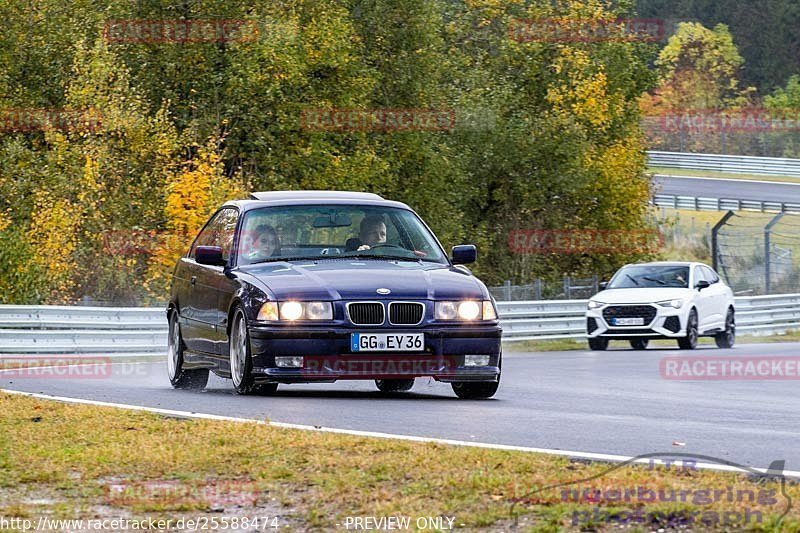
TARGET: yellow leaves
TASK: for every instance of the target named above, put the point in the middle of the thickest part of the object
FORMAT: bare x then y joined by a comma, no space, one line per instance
583,90
192,195
52,236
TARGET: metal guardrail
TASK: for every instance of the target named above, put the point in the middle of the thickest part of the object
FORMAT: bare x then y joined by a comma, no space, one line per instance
722,204
737,164
564,319
143,331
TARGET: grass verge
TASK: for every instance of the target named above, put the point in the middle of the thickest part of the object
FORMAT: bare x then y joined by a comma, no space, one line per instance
64,461
728,175
559,345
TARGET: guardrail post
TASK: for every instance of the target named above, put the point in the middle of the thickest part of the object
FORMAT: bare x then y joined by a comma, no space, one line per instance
567,287
537,289
507,288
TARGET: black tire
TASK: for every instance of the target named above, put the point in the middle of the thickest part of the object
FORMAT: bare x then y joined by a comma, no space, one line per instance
394,385
598,344
240,360
179,377
639,344
727,338
689,342
478,390
475,391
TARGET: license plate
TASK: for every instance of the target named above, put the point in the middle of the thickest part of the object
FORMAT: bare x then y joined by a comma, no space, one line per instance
627,322
387,342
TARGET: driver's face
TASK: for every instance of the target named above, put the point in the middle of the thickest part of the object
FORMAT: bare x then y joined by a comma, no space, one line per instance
373,235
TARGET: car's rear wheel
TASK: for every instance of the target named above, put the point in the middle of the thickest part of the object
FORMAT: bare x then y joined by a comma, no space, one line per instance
598,344
394,385
179,377
727,338
241,361
689,342
639,344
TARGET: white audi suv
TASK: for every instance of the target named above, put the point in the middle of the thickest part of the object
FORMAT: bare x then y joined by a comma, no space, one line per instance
672,300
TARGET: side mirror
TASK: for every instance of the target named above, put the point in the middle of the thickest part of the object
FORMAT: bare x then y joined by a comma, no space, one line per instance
209,255
702,284
603,285
464,254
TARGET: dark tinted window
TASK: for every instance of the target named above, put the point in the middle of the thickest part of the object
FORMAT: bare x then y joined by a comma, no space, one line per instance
218,232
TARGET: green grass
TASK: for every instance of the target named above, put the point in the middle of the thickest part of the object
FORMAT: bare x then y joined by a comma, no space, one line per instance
714,174
60,460
559,345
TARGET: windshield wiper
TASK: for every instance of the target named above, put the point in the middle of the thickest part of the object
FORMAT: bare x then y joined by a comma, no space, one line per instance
660,282
280,259
373,256
632,279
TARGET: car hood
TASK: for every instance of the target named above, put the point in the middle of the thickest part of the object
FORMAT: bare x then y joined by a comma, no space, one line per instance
355,280
636,296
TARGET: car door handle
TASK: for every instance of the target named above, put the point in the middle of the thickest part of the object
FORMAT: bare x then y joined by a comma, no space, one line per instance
193,280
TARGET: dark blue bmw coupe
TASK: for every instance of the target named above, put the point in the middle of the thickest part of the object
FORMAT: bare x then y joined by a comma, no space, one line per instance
317,286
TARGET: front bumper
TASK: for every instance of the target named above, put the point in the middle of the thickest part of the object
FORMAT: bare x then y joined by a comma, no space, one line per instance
327,354
668,323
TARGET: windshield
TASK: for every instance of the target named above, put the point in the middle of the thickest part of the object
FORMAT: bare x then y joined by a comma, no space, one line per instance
638,276
329,232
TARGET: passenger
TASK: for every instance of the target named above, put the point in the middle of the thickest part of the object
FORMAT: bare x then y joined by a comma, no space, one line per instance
264,244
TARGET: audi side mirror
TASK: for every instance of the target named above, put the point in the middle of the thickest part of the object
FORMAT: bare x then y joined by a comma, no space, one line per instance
702,284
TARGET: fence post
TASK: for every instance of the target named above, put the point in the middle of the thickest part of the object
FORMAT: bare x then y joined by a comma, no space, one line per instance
537,288
507,288
768,252
715,240
567,283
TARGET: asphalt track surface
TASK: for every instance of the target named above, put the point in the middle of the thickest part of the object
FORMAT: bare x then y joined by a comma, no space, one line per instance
734,189
613,402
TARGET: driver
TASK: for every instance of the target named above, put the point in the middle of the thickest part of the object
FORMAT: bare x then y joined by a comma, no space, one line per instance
372,232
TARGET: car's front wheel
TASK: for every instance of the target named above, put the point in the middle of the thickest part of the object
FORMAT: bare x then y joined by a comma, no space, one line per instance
240,360
639,344
598,344
727,338
689,342
179,377
478,390
394,385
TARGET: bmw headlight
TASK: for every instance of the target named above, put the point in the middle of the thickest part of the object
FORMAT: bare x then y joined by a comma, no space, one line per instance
465,310
292,310
677,304
594,305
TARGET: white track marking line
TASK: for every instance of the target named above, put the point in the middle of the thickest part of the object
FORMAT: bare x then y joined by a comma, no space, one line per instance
744,181
374,434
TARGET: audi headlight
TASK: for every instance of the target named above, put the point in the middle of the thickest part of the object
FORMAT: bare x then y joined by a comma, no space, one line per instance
677,304
465,310
291,310
594,305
